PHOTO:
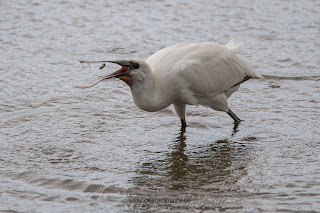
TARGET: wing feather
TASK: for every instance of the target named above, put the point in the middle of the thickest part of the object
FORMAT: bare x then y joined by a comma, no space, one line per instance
207,69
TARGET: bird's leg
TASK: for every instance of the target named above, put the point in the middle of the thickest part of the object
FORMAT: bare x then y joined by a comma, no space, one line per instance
235,128
233,116
181,112
183,124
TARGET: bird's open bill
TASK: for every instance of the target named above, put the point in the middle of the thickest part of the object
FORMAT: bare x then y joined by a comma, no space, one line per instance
123,71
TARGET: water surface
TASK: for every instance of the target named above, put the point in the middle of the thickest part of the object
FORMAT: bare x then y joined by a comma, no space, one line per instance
65,149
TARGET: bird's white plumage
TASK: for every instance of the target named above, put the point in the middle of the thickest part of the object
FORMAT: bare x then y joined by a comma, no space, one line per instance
204,68
188,73
194,73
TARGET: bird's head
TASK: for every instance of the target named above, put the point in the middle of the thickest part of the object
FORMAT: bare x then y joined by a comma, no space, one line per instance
128,67
133,70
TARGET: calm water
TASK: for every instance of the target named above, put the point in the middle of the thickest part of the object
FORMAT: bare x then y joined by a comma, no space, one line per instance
64,149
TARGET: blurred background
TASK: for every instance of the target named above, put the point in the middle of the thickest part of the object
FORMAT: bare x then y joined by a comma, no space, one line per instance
64,149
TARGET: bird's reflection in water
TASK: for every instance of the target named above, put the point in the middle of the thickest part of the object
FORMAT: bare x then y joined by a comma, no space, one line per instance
179,160
215,166
205,166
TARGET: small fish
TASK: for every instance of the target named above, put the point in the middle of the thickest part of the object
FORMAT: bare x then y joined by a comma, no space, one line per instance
102,66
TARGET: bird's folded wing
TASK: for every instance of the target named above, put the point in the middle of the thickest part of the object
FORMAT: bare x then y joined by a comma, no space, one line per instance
213,76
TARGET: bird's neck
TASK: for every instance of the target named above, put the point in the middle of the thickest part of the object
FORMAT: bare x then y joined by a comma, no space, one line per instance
148,94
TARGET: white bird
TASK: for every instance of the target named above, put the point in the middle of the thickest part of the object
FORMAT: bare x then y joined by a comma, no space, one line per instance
187,73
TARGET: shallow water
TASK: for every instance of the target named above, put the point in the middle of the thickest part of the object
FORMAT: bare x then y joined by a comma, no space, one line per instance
65,149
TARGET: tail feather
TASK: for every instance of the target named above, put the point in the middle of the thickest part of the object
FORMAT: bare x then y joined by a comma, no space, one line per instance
235,44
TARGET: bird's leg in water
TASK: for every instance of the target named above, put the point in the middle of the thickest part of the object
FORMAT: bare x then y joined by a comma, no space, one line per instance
235,128
183,124
233,116
181,112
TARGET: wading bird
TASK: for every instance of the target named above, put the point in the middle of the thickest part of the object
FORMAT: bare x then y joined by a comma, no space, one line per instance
187,73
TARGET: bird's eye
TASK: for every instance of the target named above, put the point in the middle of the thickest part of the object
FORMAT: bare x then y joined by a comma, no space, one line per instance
135,65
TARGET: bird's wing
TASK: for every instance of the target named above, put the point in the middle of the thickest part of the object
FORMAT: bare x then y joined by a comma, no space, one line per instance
212,69
207,69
